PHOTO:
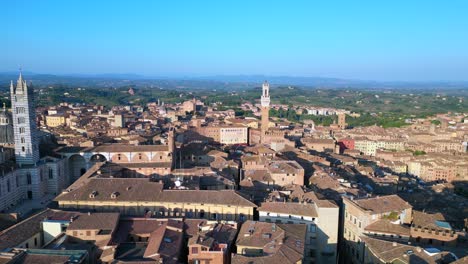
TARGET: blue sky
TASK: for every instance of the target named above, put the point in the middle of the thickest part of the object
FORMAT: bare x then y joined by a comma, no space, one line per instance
373,40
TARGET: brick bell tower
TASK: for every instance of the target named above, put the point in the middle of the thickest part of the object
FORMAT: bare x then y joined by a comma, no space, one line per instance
265,110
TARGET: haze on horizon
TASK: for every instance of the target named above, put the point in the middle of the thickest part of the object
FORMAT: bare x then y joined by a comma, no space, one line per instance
391,41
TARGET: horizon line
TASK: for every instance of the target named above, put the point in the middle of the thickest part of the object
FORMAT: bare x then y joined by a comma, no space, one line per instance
208,76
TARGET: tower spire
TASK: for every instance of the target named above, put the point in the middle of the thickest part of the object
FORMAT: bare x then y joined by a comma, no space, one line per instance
20,74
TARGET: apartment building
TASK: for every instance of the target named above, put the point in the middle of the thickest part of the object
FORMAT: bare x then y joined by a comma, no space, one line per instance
367,216
321,218
210,241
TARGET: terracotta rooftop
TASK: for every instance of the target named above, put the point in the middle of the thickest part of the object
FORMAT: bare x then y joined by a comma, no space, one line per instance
281,243
422,220
383,204
129,148
95,221
392,252
141,189
16,234
385,226
289,208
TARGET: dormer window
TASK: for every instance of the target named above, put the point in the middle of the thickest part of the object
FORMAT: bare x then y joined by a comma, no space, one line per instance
93,194
114,195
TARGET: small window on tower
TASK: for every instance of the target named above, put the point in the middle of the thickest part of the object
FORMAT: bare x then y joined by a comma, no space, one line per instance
22,148
29,178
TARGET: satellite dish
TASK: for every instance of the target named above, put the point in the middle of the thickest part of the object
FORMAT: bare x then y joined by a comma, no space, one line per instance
178,183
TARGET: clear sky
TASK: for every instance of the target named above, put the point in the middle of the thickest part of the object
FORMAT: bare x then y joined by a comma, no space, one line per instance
373,40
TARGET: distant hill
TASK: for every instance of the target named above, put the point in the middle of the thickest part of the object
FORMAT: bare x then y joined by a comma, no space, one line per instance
218,81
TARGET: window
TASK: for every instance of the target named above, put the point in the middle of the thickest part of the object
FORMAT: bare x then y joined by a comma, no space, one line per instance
194,250
22,130
312,240
88,233
312,228
312,253
51,173
8,185
28,178
22,148
23,140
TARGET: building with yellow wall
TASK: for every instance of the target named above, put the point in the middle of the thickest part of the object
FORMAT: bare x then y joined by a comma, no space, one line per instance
140,196
55,120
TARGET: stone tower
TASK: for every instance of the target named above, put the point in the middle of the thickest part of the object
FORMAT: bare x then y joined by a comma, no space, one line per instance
342,120
265,105
24,123
171,140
